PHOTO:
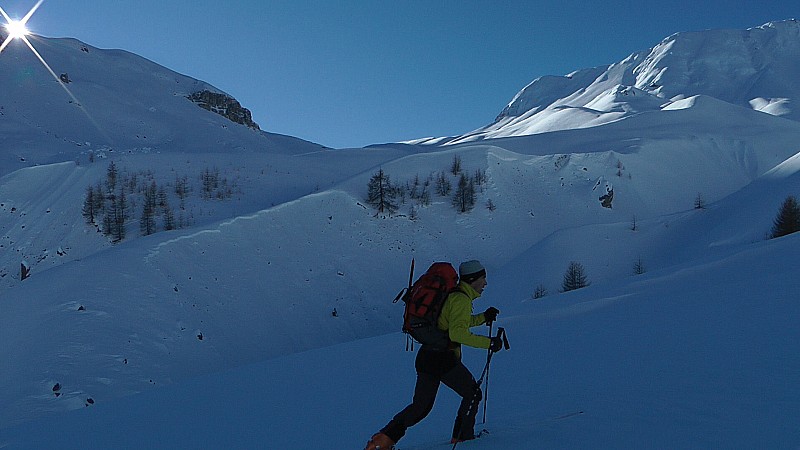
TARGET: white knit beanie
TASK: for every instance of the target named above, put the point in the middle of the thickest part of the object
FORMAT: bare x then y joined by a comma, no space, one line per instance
470,271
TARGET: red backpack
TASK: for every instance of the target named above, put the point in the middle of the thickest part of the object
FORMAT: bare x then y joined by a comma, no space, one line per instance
423,304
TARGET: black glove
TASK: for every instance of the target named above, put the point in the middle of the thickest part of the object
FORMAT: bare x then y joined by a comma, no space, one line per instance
491,314
496,345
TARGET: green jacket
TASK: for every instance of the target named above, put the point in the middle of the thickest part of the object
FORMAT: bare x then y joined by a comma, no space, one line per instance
457,318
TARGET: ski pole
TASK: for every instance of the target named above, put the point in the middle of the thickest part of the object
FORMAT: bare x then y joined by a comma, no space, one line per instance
501,333
486,391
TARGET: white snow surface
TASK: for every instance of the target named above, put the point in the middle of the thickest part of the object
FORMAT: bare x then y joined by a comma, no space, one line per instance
221,334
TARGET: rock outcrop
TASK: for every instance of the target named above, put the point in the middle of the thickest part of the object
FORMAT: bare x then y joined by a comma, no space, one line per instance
225,106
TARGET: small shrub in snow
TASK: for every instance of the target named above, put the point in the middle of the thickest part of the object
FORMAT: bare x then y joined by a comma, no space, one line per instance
638,267
699,202
540,292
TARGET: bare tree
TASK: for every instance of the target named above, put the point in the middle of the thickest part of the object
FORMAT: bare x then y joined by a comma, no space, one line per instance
210,179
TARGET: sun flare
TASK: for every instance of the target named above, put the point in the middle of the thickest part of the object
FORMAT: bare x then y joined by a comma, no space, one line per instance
16,29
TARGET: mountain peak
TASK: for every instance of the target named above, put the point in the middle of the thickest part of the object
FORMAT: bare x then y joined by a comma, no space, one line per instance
736,66
755,68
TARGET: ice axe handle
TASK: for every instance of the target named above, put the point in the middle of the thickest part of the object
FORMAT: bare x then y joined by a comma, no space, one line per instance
410,283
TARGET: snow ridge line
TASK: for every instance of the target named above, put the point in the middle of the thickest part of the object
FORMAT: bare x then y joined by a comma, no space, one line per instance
155,251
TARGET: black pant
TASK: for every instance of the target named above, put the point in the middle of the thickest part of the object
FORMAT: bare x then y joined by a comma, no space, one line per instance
434,367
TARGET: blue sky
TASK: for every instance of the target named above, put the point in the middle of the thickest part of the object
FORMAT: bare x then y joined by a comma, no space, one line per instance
354,73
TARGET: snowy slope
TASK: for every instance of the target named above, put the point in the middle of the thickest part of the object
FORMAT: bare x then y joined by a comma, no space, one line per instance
226,327
698,356
115,101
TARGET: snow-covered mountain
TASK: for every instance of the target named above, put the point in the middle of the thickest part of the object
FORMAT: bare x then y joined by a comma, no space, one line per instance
280,275
755,68
111,100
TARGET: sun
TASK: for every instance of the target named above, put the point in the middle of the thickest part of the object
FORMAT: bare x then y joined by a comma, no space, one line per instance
16,29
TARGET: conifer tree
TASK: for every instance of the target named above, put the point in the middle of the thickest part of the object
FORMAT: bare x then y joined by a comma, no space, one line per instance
182,186
455,167
118,214
425,196
89,204
699,202
108,224
169,220
443,185
111,177
788,218
163,200
574,277
99,199
413,188
381,194
147,222
464,197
